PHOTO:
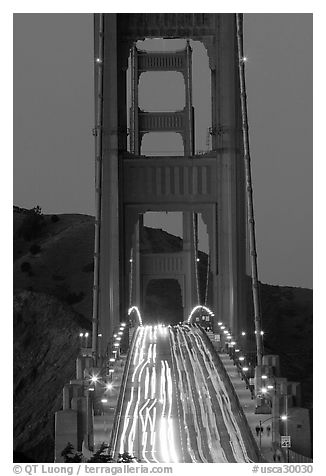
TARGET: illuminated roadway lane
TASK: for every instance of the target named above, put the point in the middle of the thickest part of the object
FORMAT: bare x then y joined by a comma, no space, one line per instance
211,431
149,427
176,408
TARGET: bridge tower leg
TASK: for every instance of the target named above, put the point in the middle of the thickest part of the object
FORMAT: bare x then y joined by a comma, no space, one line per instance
231,209
132,184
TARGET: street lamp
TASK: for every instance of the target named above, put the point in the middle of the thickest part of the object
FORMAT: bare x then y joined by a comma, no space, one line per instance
111,374
276,417
81,335
286,425
94,378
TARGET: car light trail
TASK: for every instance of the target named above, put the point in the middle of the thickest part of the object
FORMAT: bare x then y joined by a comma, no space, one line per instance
146,383
213,434
170,422
236,442
175,349
163,440
174,387
189,390
126,422
138,343
149,355
153,383
154,354
196,308
144,448
135,309
143,432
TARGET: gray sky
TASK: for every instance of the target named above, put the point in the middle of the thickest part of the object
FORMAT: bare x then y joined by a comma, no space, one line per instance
53,118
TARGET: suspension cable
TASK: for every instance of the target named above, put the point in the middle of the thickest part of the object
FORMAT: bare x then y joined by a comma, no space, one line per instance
131,277
207,278
194,229
98,180
250,208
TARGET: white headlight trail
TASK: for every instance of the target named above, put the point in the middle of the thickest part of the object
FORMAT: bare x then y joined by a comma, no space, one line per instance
153,383
170,434
126,421
146,383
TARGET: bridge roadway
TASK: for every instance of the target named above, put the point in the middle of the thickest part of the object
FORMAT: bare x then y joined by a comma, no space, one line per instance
176,407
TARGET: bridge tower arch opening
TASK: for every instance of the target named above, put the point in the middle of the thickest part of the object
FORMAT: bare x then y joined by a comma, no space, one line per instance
162,144
131,183
165,90
163,300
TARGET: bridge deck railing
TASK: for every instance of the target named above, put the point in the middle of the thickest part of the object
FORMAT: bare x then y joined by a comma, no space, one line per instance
295,457
118,410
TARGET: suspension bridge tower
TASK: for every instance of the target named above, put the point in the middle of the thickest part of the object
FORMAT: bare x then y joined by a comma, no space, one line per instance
128,184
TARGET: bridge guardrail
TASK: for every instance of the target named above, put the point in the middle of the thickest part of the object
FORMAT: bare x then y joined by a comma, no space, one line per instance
118,410
295,457
241,417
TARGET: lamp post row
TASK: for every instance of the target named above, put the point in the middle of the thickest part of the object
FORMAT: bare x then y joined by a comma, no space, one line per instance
239,360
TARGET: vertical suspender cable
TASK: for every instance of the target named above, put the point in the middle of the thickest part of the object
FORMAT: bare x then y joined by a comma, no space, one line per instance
195,240
131,276
98,184
207,279
250,208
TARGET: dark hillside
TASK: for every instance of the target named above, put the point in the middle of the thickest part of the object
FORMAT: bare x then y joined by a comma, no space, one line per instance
46,344
63,266
288,326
